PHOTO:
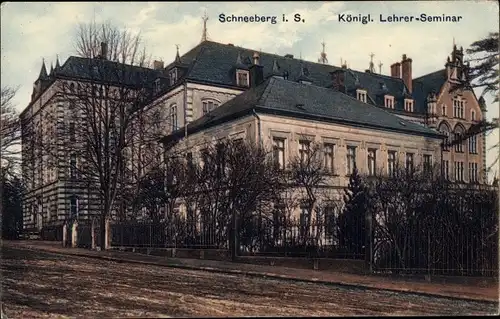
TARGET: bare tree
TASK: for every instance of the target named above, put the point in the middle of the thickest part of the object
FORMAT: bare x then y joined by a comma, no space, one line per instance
107,102
307,174
10,130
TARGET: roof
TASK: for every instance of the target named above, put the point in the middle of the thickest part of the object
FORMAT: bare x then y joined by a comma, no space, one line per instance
288,98
100,69
422,86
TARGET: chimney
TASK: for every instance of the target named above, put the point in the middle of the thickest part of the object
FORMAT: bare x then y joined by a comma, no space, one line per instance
256,75
406,73
104,50
256,58
338,79
290,56
158,65
396,70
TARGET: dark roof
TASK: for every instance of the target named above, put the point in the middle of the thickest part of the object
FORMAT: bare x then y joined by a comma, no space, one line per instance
106,70
426,84
214,63
289,98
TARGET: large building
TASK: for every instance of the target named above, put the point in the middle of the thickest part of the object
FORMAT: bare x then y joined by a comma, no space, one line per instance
214,89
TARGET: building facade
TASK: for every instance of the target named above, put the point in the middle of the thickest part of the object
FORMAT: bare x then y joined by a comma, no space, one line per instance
195,85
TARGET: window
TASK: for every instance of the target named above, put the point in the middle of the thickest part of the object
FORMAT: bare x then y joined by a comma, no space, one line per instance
372,161
242,78
473,144
408,105
361,95
459,171
305,218
443,110
473,173
74,206
72,166
444,130
459,146
328,152
427,163
209,105
351,159
173,76
279,152
473,116
409,163
389,101
157,86
173,117
458,108
391,163
304,149
72,137
72,87
445,168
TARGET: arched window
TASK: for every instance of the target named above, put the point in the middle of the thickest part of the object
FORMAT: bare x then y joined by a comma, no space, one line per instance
208,105
457,135
173,116
445,129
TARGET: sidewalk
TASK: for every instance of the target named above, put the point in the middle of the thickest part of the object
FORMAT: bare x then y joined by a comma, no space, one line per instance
485,289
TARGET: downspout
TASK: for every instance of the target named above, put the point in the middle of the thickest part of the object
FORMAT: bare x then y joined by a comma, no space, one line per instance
185,110
259,135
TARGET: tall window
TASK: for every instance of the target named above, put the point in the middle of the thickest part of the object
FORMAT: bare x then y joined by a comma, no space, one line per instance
473,116
409,163
72,166
361,95
458,108
473,173
173,117
74,206
391,163
443,110
304,150
372,160
242,78
351,159
72,137
473,144
305,218
445,168
459,171
328,151
459,147
427,163
209,105
279,152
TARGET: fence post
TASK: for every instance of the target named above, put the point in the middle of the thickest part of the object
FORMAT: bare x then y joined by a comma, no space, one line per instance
74,234
92,234
107,235
64,234
369,240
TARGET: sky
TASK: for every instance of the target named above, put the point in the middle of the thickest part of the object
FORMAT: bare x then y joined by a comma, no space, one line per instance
34,31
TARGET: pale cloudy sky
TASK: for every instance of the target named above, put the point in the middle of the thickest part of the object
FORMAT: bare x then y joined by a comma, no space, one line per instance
32,31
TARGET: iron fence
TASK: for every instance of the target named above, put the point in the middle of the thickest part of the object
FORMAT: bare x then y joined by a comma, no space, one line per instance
457,238
179,233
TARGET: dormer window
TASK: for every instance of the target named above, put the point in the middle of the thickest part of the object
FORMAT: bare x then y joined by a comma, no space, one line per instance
173,76
157,86
361,95
285,75
209,105
389,101
242,78
408,105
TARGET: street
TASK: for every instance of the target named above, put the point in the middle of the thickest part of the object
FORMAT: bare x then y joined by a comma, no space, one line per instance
45,285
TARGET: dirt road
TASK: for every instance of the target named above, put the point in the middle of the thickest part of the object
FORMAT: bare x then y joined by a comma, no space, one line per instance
45,285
